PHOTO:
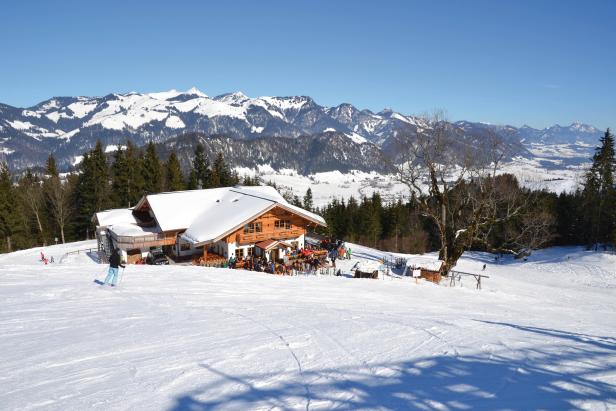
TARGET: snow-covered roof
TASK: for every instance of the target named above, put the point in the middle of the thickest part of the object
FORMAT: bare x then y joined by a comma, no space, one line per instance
228,212
209,214
428,263
132,230
117,216
368,266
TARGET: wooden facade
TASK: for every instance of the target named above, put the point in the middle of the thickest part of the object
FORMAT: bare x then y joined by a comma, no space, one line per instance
431,275
269,228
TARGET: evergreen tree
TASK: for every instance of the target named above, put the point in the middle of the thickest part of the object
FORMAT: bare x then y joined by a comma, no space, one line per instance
251,181
174,180
120,179
9,210
92,193
600,193
152,170
135,183
201,166
570,227
221,173
308,204
296,201
51,167
372,211
193,182
354,224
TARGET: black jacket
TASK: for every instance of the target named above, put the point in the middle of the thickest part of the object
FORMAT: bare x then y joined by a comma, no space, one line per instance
115,261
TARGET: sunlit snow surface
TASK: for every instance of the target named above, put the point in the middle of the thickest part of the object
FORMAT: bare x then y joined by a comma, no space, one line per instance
540,335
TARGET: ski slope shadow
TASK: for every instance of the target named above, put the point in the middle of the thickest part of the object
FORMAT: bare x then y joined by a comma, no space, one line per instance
570,372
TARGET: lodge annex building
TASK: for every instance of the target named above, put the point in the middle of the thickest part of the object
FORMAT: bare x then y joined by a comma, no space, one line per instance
218,222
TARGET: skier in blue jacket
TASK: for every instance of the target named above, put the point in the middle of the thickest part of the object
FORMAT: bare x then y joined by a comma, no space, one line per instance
115,261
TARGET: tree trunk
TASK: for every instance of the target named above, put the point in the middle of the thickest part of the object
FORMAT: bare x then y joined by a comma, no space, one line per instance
453,256
62,233
38,222
9,245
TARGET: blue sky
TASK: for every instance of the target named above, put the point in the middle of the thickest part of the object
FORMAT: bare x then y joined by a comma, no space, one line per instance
515,62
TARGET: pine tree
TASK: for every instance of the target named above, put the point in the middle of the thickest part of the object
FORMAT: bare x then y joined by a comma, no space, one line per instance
215,176
193,182
92,193
152,170
374,209
354,227
296,201
174,180
135,183
221,173
251,181
9,210
120,179
600,193
51,167
201,166
308,204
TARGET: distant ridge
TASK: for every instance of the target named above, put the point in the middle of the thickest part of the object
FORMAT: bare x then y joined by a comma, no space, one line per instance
68,126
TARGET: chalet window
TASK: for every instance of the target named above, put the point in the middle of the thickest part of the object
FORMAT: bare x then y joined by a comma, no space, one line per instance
282,224
239,252
250,251
251,228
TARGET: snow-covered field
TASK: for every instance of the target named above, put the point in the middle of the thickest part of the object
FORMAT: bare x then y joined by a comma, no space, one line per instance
556,168
330,185
540,335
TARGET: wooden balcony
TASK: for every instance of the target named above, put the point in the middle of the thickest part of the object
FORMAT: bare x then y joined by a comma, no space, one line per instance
252,238
146,241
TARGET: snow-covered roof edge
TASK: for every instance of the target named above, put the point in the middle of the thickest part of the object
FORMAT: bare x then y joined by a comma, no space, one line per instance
228,231
113,216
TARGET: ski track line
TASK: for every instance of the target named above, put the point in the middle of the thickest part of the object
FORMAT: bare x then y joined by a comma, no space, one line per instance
394,320
339,346
288,346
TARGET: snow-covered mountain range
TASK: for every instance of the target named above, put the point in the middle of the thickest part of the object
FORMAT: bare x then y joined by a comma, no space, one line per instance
68,126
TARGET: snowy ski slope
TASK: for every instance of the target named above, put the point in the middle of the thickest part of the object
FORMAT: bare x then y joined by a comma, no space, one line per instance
540,335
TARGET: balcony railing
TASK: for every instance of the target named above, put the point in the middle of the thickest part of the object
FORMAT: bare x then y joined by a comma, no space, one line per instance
246,238
158,238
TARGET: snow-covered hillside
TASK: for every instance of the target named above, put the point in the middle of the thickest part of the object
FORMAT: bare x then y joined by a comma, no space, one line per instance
326,186
540,335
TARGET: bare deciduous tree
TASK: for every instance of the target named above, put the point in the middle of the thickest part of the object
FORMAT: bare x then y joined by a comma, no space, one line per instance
31,195
59,198
456,184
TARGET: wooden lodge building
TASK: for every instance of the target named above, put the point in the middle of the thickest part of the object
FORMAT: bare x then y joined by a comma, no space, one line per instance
214,223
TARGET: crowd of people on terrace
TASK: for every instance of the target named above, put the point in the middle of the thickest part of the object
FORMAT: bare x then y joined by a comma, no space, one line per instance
307,260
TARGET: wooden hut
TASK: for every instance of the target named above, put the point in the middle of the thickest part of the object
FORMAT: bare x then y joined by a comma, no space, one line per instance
430,268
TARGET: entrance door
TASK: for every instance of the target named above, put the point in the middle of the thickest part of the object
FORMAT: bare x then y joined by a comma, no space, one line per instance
275,254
